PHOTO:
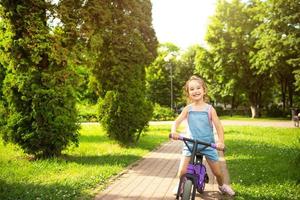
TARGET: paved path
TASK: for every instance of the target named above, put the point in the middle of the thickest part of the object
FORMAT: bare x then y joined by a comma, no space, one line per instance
154,177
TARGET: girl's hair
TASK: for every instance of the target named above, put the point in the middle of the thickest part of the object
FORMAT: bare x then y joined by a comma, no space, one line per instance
202,83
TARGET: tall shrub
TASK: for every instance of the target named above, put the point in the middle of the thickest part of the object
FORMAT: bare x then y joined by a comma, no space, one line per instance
124,116
125,44
38,84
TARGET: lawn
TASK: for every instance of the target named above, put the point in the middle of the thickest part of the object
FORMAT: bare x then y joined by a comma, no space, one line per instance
263,164
79,173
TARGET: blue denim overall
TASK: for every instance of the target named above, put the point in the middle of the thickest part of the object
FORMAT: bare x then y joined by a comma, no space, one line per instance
200,128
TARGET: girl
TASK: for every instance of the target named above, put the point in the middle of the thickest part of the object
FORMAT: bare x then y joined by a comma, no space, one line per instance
200,116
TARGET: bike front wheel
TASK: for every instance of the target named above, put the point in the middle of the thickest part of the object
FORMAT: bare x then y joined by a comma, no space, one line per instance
187,190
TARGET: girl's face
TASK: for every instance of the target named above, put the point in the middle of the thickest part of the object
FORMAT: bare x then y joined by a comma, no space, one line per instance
195,90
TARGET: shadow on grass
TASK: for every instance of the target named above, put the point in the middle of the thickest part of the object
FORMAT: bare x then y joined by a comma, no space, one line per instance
29,191
122,160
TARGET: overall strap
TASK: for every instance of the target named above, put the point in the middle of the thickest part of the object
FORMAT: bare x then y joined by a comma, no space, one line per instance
189,109
209,115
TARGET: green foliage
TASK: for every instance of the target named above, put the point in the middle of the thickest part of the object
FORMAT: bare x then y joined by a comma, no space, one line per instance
252,44
2,75
158,75
297,78
275,111
228,37
126,44
86,90
40,103
163,113
87,112
75,174
2,107
41,116
185,68
124,116
278,45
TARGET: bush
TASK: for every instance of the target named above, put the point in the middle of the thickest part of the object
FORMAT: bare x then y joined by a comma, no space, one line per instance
41,118
162,113
38,85
124,115
275,111
228,112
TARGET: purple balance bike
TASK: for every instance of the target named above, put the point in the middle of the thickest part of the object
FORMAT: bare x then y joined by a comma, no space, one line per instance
196,174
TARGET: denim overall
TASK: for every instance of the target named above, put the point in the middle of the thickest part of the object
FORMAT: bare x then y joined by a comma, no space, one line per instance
200,128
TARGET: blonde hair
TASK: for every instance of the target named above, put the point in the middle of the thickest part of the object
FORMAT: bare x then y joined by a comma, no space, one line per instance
202,83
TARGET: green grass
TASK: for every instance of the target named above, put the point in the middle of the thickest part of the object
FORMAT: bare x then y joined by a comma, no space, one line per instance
78,173
246,118
264,163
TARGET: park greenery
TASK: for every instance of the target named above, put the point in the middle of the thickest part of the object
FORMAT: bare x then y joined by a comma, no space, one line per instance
263,163
58,56
251,61
68,61
54,55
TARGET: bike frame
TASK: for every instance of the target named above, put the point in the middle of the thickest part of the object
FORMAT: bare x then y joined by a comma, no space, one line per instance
196,171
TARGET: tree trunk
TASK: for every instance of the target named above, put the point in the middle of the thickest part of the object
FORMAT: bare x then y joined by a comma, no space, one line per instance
254,111
283,92
291,90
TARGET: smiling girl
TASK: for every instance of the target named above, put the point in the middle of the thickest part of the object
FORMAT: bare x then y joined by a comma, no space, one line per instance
201,117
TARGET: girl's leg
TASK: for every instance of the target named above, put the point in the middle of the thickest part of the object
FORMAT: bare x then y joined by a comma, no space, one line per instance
216,170
184,161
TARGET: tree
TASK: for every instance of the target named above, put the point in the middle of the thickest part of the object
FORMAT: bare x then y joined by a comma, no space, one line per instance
278,44
41,115
125,43
186,67
158,75
229,38
73,16
204,67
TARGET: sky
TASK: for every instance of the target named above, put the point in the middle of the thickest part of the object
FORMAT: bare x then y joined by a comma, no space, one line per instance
182,22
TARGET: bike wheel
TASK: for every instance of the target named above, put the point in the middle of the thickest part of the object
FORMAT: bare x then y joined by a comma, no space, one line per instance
201,188
187,190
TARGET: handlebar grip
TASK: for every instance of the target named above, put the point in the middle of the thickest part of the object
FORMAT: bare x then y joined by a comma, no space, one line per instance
180,137
213,145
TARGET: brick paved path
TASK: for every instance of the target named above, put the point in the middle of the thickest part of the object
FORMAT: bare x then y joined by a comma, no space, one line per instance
154,177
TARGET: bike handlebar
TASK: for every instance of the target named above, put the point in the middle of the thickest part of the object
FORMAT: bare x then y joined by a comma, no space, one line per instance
182,138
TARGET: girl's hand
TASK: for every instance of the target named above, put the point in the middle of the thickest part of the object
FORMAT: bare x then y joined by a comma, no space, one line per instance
220,146
175,136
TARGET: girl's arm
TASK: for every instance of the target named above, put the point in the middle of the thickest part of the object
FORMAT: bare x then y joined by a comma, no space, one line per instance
219,128
182,116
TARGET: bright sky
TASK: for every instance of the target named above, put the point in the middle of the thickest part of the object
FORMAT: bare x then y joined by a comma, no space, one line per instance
182,22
